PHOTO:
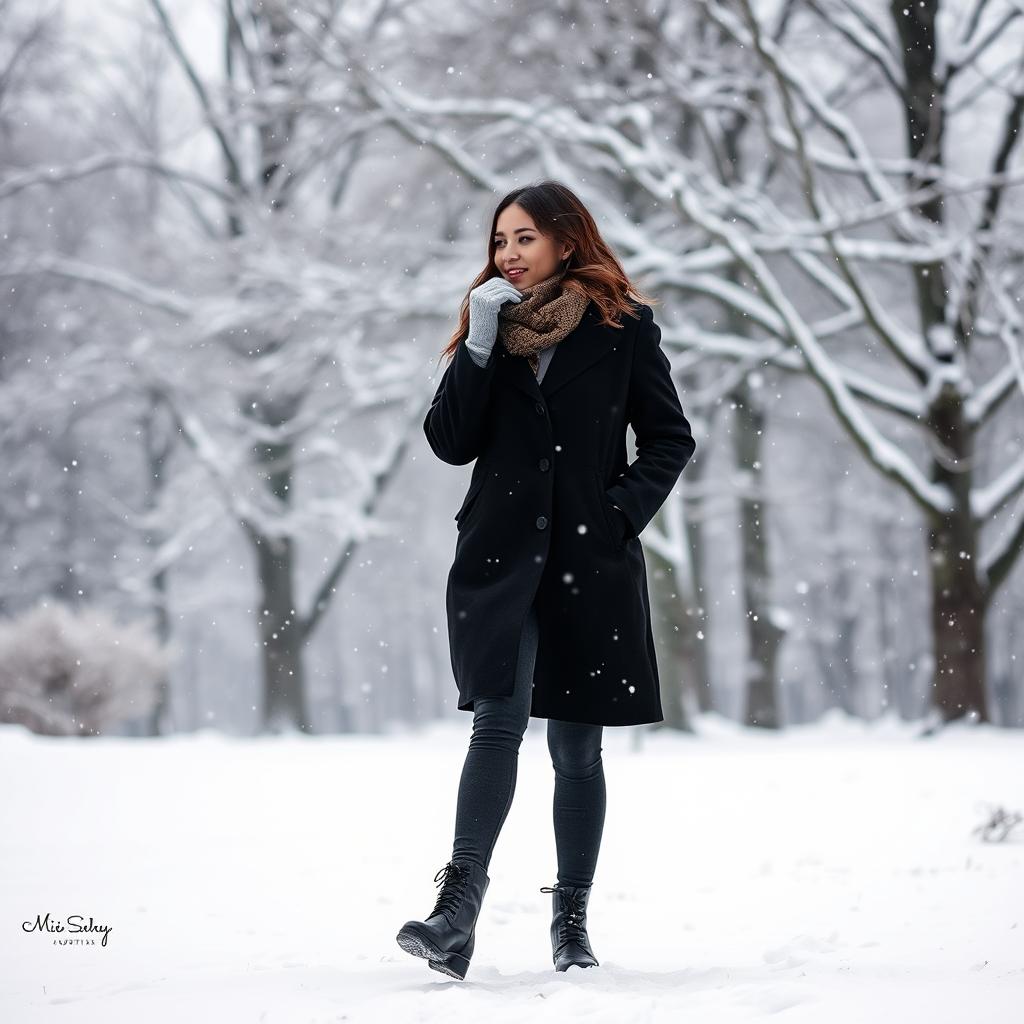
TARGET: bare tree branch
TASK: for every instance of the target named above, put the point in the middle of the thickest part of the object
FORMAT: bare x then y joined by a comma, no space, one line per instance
212,118
18,182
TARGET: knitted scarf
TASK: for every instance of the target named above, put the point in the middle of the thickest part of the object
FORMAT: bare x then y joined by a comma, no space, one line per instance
545,315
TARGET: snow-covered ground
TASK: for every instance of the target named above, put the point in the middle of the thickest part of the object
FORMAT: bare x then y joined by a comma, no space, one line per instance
828,874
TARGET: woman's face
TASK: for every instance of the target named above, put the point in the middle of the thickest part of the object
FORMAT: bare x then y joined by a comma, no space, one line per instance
519,246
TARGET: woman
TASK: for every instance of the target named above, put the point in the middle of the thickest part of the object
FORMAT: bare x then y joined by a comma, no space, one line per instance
547,602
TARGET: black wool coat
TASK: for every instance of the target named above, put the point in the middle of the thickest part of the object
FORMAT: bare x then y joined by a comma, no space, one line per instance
537,525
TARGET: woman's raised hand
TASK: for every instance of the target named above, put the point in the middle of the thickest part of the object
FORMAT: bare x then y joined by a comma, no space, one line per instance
484,303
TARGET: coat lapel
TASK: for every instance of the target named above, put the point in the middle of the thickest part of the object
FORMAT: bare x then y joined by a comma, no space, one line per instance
577,351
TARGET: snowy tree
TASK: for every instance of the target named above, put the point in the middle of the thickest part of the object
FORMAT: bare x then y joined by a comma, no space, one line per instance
290,326
220,294
261,334
891,282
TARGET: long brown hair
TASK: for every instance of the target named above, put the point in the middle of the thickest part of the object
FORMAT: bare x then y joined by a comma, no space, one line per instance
592,267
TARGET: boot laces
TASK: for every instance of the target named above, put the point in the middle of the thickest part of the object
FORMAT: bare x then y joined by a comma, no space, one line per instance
572,928
451,879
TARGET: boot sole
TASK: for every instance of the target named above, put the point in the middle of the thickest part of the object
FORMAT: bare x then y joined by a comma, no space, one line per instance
455,965
575,963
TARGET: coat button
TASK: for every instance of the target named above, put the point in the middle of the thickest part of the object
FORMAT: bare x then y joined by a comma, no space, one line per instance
542,521
544,464
539,406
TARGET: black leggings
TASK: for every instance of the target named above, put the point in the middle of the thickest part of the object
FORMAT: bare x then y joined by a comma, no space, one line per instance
489,776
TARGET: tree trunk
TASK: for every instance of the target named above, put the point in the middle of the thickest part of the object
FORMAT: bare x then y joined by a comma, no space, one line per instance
158,443
958,622
763,633
668,604
284,705
958,600
696,623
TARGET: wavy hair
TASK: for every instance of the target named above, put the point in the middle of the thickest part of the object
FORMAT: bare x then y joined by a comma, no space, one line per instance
591,268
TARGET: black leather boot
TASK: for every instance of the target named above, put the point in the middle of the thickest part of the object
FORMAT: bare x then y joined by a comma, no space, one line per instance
570,944
447,937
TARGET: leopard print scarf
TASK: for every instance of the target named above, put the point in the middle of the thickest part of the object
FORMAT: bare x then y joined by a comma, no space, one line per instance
545,315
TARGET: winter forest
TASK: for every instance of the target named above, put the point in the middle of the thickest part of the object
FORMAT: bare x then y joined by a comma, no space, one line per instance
236,239
236,235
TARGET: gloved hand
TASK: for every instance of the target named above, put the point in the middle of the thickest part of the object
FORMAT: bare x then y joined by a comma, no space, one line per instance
484,302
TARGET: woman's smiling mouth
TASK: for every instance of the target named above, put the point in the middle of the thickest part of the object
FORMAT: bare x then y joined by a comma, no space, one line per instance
516,272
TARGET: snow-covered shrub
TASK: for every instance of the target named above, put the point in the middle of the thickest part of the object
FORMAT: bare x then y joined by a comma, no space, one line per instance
64,673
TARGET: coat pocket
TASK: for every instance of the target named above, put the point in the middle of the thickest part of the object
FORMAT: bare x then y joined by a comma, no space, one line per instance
470,500
611,528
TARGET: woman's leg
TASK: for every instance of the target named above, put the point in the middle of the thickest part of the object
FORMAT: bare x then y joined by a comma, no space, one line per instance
488,780
580,798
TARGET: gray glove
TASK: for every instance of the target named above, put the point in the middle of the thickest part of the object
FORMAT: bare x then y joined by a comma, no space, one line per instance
484,302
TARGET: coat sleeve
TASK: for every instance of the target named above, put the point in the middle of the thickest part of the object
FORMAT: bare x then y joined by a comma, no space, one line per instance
454,423
664,443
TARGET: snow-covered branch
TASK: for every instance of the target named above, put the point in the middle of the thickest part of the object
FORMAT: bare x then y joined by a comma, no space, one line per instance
987,500
63,173
841,127
117,281
997,563
971,49
686,334
220,131
981,405
882,453
859,29
980,242
904,345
